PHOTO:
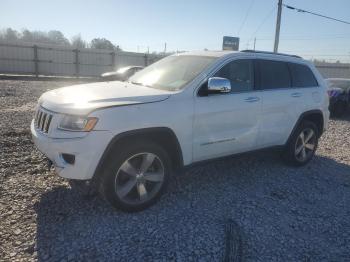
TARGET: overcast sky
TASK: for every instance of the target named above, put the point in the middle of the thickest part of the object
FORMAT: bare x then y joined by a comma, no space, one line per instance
190,24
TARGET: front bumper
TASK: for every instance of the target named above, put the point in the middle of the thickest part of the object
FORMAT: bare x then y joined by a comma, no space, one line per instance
87,151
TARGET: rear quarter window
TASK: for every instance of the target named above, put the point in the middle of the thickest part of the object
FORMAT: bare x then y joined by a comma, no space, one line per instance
302,76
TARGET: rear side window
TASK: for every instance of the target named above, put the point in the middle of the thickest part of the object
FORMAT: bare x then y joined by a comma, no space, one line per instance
302,76
274,74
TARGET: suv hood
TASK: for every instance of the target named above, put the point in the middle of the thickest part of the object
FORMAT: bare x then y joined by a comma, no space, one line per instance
82,99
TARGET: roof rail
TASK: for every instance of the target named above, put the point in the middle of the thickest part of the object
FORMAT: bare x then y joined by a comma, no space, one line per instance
269,53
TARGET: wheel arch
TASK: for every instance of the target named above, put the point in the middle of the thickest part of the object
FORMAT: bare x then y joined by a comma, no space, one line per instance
315,116
163,136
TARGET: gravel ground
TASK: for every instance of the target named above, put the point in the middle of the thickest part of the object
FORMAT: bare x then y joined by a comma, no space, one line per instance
283,213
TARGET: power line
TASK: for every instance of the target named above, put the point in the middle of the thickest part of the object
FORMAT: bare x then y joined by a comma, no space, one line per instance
313,13
246,16
311,54
298,36
303,39
262,23
319,50
318,38
291,38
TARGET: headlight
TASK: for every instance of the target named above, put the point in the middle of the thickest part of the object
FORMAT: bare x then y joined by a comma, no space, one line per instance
78,123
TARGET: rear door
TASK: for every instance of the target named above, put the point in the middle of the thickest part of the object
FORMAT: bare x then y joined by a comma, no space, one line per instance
280,102
306,87
227,123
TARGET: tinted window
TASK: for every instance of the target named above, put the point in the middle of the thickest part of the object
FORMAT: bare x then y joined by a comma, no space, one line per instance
302,76
240,74
274,74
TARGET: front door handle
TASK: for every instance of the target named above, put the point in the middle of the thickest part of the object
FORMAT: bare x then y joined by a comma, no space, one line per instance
297,94
252,99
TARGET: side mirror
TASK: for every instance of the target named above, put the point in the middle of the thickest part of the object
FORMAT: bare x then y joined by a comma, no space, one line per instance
219,85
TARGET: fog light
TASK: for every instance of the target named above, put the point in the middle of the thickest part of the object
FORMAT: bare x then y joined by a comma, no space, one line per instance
68,158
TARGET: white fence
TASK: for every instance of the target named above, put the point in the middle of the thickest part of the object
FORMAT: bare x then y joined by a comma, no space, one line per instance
20,58
333,70
50,60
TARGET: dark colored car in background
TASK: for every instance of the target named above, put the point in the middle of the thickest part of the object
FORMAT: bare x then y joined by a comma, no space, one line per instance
339,95
122,74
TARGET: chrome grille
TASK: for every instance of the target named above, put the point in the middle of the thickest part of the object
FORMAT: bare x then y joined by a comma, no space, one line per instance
43,120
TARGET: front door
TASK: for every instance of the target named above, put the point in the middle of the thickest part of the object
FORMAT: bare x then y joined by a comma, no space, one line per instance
228,123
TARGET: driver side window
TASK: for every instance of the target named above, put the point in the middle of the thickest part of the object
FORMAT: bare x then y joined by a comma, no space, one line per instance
240,73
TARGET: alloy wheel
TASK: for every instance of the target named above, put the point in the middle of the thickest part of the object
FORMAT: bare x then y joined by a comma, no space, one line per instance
305,145
139,178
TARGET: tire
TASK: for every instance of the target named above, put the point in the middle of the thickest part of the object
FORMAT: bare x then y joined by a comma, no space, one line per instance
135,177
299,152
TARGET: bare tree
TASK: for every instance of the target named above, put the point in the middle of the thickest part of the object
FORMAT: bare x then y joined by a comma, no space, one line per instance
9,35
55,37
52,37
78,42
34,36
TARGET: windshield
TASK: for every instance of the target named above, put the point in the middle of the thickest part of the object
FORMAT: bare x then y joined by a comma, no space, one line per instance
171,73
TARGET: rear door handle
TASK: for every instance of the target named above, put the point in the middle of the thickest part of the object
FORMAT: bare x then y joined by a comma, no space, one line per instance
296,94
252,99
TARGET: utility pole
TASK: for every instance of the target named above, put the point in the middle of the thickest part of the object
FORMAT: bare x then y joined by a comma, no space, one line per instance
254,42
164,48
278,25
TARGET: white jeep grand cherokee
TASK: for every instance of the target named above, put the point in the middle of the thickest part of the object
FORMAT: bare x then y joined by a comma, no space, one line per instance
127,137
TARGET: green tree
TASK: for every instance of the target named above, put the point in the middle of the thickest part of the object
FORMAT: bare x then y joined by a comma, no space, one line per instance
57,37
27,36
102,43
52,37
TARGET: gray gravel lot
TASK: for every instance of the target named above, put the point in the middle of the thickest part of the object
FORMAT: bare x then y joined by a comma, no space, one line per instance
283,213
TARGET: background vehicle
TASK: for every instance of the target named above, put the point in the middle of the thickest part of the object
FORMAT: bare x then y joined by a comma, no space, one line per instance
122,74
339,95
189,107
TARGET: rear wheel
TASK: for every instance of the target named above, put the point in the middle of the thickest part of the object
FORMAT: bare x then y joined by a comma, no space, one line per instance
135,178
302,145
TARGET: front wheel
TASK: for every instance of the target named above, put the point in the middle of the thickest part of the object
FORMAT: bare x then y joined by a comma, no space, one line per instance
135,178
301,147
